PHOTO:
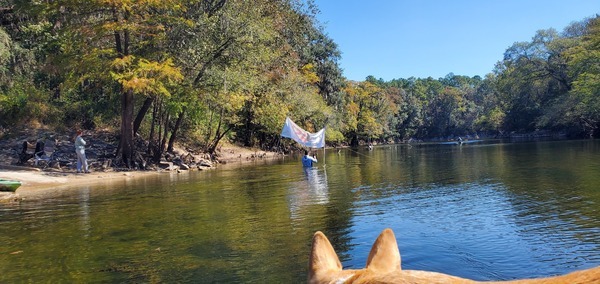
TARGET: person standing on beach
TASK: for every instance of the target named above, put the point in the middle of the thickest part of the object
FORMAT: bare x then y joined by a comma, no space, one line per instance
82,164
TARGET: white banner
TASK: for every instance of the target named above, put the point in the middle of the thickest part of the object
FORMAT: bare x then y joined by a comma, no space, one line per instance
312,140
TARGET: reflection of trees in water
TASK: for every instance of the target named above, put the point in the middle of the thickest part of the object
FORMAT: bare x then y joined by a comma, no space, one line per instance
553,183
550,187
310,200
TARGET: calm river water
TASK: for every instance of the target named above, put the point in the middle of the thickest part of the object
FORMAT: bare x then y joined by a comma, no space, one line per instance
486,211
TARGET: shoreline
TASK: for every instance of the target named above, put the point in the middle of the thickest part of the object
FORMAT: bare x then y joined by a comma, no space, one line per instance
36,183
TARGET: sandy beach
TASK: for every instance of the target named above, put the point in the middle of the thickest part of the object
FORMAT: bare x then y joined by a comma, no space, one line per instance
35,181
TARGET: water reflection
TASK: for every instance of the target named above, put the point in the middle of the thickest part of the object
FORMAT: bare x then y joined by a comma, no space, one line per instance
312,189
488,212
477,210
84,208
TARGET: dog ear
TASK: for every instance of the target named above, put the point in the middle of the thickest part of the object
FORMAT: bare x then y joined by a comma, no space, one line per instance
322,256
384,256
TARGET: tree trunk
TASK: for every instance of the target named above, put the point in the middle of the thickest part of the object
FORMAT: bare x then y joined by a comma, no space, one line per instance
249,127
142,113
354,139
174,132
218,131
210,121
118,43
127,146
214,143
151,144
157,145
163,143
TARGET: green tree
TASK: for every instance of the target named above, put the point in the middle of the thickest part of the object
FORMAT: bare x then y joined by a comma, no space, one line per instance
492,115
367,108
532,78
114,43
20,100
584,67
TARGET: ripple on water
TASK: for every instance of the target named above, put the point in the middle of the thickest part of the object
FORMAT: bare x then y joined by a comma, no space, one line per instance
476,229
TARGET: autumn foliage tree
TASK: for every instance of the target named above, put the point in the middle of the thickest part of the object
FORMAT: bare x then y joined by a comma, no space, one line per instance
214,70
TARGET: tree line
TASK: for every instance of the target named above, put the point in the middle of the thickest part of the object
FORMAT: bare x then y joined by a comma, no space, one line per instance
205,70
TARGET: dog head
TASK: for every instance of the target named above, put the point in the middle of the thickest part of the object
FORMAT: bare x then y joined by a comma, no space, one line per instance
383,266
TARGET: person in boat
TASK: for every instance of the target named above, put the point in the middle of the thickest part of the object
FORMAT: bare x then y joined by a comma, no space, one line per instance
307,160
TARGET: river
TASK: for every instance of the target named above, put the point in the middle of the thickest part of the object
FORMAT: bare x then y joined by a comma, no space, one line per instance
486,211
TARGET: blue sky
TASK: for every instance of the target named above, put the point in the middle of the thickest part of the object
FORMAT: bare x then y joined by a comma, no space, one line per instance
392,39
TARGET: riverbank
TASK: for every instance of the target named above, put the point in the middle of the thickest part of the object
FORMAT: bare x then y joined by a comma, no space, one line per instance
38,179
35,181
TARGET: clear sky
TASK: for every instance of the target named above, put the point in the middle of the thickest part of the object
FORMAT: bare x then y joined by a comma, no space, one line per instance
393,39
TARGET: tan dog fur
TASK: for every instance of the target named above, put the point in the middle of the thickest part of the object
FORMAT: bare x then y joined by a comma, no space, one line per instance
383,266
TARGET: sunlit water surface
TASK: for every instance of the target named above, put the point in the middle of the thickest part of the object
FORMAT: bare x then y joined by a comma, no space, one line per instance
486,211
